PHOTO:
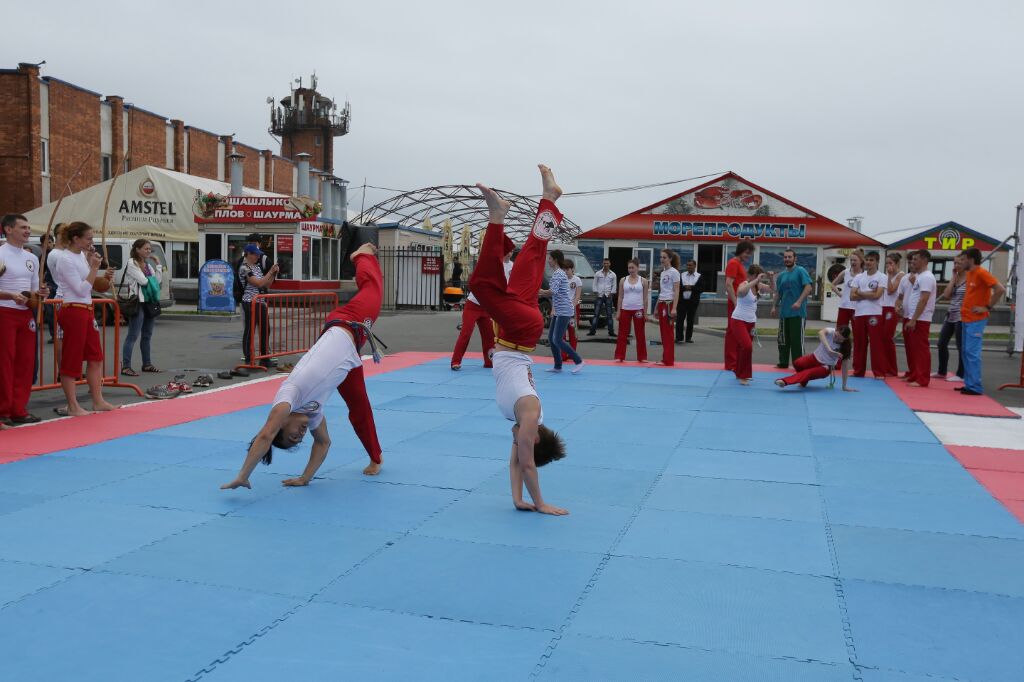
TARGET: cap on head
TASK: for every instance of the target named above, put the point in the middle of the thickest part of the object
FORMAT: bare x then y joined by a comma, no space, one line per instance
252,248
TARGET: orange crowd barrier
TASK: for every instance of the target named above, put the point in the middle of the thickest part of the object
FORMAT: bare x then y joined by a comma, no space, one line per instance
291,324
109,321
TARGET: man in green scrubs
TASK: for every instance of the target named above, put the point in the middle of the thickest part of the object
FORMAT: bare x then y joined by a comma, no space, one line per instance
792,287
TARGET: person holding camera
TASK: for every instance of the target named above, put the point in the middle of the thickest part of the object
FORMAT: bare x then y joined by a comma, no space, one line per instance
143,275
255,313
744,319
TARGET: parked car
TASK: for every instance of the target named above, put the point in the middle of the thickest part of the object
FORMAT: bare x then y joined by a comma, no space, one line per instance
583,270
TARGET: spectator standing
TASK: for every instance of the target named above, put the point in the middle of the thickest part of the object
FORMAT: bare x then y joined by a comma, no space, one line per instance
576,292
890,318
606,287
847,307
19,276
668,304
982,293
735,274
866,291
49,247
633,296
561,312
952,326
142,265
689,292
793,286
743,321
917,302
254,313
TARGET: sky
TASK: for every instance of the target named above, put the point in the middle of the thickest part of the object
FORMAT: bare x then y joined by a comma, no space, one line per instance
905,112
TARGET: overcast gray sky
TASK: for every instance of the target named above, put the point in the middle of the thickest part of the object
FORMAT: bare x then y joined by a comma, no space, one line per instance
908,113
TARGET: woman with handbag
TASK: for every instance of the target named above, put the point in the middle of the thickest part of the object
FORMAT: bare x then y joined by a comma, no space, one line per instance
138,295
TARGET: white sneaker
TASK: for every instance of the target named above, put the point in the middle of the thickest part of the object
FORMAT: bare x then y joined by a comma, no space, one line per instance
578,368
554,370
952,378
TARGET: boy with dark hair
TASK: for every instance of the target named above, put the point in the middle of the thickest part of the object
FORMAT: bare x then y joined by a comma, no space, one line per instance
518,324
982,293
333,362
916,299
866,291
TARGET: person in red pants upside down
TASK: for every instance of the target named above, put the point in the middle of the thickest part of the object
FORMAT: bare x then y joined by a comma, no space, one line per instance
473,314
518,324
332,363
833,352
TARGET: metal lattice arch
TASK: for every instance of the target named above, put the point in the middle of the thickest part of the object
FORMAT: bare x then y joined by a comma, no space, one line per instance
463,205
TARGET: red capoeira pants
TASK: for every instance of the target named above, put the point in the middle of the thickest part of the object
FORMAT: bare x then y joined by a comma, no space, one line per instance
639,322
739,335
889,324
472,314
919,352
570,332
363,308
868,331
730,351
81,338
845,317
808,369
513,304
668,333
17,360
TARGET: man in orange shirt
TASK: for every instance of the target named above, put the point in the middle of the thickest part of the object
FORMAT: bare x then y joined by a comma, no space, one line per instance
735,275
983,292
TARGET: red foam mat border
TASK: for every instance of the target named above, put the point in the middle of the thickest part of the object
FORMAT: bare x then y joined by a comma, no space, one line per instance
941,397
1000,471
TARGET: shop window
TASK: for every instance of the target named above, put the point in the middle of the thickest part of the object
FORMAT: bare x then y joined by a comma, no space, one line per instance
184,260
306,257
213,246
942,269
317,258
770,258
236,243
594,252
44,156
334,245
106,167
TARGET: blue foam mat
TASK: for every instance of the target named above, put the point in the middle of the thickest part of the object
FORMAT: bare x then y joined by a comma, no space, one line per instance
761,499
749,466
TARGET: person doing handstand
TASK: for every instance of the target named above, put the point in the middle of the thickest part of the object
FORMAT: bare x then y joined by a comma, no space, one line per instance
332,363
518,323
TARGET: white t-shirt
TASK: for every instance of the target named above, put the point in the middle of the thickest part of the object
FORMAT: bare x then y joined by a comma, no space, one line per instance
923,281
828,353
53,259
889,300
70,276
869,283
575,285
746,307
669,278
633,294
21,273
844,301
513,377
690,280
508,271
318,374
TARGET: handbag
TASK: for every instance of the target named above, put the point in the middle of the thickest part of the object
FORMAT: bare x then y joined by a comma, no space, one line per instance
151,306
129,305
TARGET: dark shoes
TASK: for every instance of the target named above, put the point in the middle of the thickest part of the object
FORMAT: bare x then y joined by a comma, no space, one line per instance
25,419
967,391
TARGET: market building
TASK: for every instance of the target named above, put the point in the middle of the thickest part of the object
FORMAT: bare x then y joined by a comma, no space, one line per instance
704,223
945,241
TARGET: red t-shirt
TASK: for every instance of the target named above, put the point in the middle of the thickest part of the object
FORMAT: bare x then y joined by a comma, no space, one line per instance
735,269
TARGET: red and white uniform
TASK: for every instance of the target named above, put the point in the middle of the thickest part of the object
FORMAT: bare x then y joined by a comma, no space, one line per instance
632,311
890,321
915,341
474,314
512,304
868,331
343,355
666,296
17,331
846,306
735,269
818,364
741,325
79,331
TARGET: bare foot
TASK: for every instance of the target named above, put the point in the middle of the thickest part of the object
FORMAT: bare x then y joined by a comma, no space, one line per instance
102,406
496,206
552,509
744,382
372,469
523,506
551,189
78,411
366,248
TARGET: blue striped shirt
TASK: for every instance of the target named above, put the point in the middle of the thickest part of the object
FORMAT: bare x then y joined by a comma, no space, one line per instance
561,296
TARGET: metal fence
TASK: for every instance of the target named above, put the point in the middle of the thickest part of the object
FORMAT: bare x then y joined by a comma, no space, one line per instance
413,277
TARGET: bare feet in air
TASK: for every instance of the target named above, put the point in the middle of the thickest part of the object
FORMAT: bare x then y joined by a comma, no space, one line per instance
102,406
372,469
366,248
551,189
497,207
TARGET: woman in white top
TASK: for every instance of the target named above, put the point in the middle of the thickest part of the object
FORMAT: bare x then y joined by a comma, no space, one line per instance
833,348
76,272
633,292
668,303
744,319
890,320
141,266
842,282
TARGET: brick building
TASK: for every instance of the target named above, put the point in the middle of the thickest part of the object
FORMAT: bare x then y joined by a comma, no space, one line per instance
49,129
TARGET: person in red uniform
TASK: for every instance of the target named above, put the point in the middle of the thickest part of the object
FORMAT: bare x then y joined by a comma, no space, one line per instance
735,275
473,314
668,305
632,297
866,290
19,279
519,323
333,363
832,353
